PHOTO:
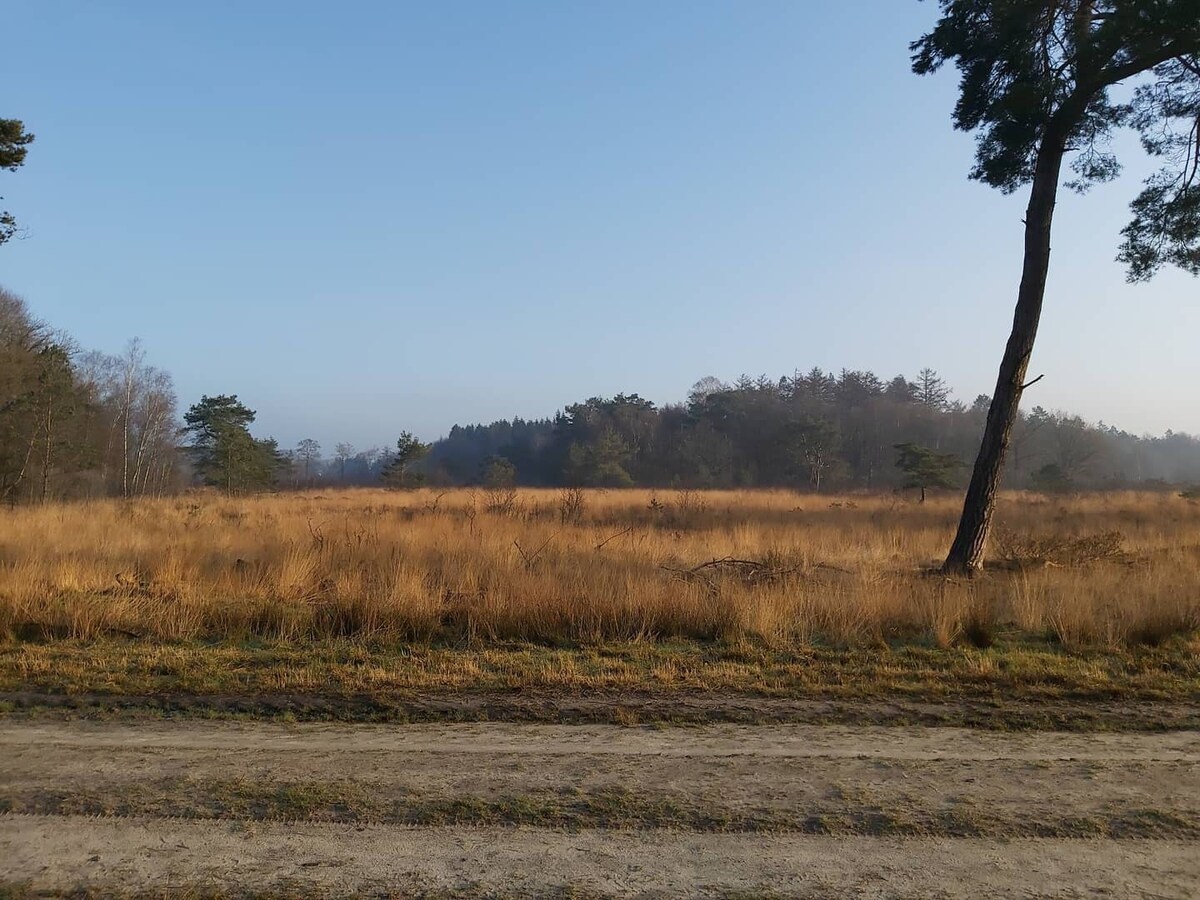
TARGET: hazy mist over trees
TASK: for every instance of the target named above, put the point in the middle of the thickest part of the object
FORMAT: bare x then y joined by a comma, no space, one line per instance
77,424
811,431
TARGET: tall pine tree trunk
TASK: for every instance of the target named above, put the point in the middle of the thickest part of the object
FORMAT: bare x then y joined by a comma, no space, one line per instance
966,553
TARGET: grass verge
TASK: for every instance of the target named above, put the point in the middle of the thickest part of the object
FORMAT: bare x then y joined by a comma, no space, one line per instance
1012,684
251,800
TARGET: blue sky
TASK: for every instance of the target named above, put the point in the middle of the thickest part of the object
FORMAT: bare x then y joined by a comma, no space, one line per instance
370,216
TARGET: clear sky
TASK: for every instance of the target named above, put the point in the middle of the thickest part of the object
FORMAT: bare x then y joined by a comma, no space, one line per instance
369,216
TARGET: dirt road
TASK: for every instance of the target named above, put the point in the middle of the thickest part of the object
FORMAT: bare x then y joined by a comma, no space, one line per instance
505,809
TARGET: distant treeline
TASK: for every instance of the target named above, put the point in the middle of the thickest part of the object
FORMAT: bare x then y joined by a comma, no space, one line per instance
79,424
816,430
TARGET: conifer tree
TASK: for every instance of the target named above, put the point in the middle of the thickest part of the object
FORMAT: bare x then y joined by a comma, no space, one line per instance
1036,86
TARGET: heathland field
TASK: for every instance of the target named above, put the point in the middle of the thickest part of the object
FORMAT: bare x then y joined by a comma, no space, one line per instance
1107,571
379,593
480,693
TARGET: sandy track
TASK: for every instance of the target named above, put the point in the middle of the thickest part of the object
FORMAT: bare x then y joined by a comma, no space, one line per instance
853,781
356,860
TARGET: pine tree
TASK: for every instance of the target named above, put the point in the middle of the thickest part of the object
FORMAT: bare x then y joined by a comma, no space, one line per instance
931,391
1036,85
14,145
924,468
398,472
224,452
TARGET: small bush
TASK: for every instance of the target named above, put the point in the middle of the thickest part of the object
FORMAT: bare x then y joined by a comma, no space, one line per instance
979,629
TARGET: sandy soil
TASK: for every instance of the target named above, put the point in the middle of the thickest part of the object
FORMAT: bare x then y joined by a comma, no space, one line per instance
967,801
340,860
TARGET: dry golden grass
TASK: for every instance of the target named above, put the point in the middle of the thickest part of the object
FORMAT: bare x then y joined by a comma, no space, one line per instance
372,565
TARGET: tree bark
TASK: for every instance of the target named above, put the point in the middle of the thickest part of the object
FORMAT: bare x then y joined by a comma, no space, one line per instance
49,448
967,551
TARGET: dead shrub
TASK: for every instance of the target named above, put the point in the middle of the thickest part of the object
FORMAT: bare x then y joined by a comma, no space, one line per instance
501,500
689,506
571,504
1057,549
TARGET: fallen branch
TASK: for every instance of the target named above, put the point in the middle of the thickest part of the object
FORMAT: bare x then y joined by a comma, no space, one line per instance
531,558
831,568
600,546
749,570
